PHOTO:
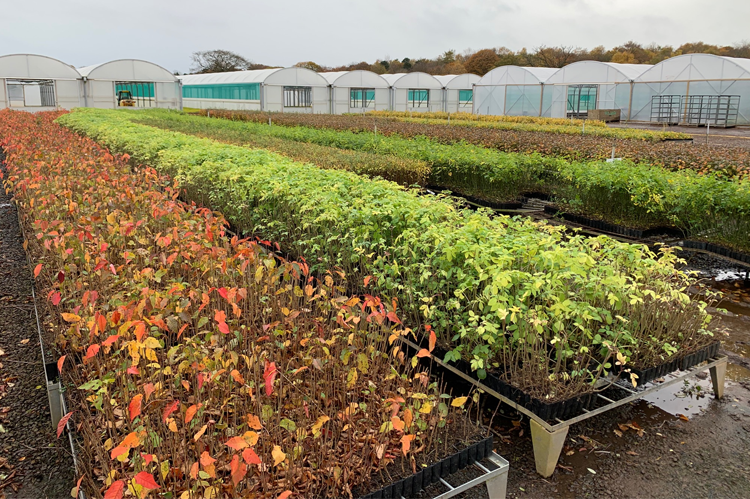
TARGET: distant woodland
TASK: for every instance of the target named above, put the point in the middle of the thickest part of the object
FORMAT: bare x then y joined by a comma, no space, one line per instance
482,61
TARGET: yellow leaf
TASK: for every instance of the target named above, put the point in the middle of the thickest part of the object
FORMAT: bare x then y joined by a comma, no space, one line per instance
426,408
250,437
151,342
164,465
319,424
151,355
351,378
173,425
111,219
459,401
278,455
71,317
200,432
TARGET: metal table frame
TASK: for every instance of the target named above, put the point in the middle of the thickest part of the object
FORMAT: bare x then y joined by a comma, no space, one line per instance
495,478
548,439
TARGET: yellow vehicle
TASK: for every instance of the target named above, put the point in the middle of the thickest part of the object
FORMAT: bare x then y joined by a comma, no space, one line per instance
125,98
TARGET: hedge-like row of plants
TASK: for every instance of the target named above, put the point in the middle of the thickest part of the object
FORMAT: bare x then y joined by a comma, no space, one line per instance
203,366
727,161
559,128
626,193
534,120
544,310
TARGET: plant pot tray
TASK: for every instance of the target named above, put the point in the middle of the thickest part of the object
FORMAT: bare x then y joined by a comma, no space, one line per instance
411,485
680,363
613,228
718,250
561,409
510,205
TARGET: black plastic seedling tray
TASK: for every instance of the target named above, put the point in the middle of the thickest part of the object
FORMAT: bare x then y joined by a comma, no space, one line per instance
614,228
682,363
410,486
719,250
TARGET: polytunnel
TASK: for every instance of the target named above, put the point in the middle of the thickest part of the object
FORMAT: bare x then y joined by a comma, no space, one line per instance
130,82
418,92
357,91
694,89
288,90
511,91
577,88
38,83
458,92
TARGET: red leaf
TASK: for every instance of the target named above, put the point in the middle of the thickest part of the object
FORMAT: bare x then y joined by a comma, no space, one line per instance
115,490
433,340
423,353
223,328
239,470
56,298
60,275
133,370
146,480
393,317
135,406
92,350
77,487
147,457
37,269
60,363
63,421
223,293
110,340
170,409
250,456
269,374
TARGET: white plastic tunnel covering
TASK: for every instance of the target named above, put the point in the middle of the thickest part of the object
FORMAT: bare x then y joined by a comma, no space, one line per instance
150,85
357,91
417,92
238,90
587,85
38,83
458,92
692,75
511,91
288,90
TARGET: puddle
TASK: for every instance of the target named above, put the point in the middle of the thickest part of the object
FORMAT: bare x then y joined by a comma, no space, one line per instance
729,275
688,398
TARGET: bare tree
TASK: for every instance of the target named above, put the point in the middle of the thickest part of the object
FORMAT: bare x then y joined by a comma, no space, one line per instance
219,61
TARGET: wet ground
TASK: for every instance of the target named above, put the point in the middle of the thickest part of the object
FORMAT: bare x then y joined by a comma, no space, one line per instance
34,464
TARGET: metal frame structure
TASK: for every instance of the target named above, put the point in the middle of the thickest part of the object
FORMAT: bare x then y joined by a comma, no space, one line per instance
548,439
496,479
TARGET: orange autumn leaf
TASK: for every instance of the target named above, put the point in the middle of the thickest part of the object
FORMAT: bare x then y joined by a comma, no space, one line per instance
250,456
254,422
73,318
206,459
190,413
423,353
406,443
397,423
236,443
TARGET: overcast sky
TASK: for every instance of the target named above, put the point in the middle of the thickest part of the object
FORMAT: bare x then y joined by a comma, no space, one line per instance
335,32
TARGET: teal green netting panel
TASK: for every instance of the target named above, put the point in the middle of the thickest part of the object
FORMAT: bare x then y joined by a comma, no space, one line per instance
465,95
237,91
361,97
418,98
137,89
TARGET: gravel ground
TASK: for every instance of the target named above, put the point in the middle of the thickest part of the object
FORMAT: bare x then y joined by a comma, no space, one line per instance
33,462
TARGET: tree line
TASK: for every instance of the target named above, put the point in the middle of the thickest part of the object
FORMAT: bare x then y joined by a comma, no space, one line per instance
481,61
